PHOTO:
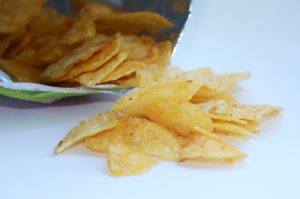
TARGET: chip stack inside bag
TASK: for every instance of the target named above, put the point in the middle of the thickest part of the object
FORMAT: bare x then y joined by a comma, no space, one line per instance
98,45
177,117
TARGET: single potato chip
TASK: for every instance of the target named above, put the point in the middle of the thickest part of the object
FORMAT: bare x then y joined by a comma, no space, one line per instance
57,71
173,90
149,137
204,148
97,60
239,111
222,96
165,51
149,74
21,72
93,126
130,81
95,11
125,160
124,69
83,29
183,117
232,129
97,76
226,118
132,23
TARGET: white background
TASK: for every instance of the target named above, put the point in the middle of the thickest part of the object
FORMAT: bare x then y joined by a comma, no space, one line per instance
261,36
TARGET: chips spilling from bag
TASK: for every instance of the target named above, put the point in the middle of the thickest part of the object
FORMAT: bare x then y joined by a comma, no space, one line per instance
98,45
167,119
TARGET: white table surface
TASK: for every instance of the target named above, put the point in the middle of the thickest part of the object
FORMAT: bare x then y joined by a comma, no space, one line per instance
257,36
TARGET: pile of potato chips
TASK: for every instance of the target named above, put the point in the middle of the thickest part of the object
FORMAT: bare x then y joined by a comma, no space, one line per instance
176,118
98,45
173,116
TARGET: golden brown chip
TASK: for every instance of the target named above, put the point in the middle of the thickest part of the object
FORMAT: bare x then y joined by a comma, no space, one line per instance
232,129
173,90
226,118
222,96
140,48
95,11
124,69
149,137
149,74
130,81
165,51
204,148
57,71
125,160
132,23
83,29
183,117
21,72
96,61
97,76
85,129
15,14
239,111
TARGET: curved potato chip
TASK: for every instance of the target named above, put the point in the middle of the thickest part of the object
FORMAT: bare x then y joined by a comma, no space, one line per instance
95,11
93,126
83,29
97,76
173,90
204,148
183,117
149,74
124,69
125,160
57,71
222,96
226,119
232,129
149,137
132,23
165,51
21,72
130,81
96,60
239,111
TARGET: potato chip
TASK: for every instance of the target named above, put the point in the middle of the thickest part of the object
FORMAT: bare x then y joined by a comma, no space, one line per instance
124,69
239,111
204,148
165,52
130,81
183,117
97,76
212,84
132,23
83,29
57,71
140,48
232,129
16,14
93,126
125,160
95,61
21,72
226,119
173,90
149,137
95,11
222,96
149,74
